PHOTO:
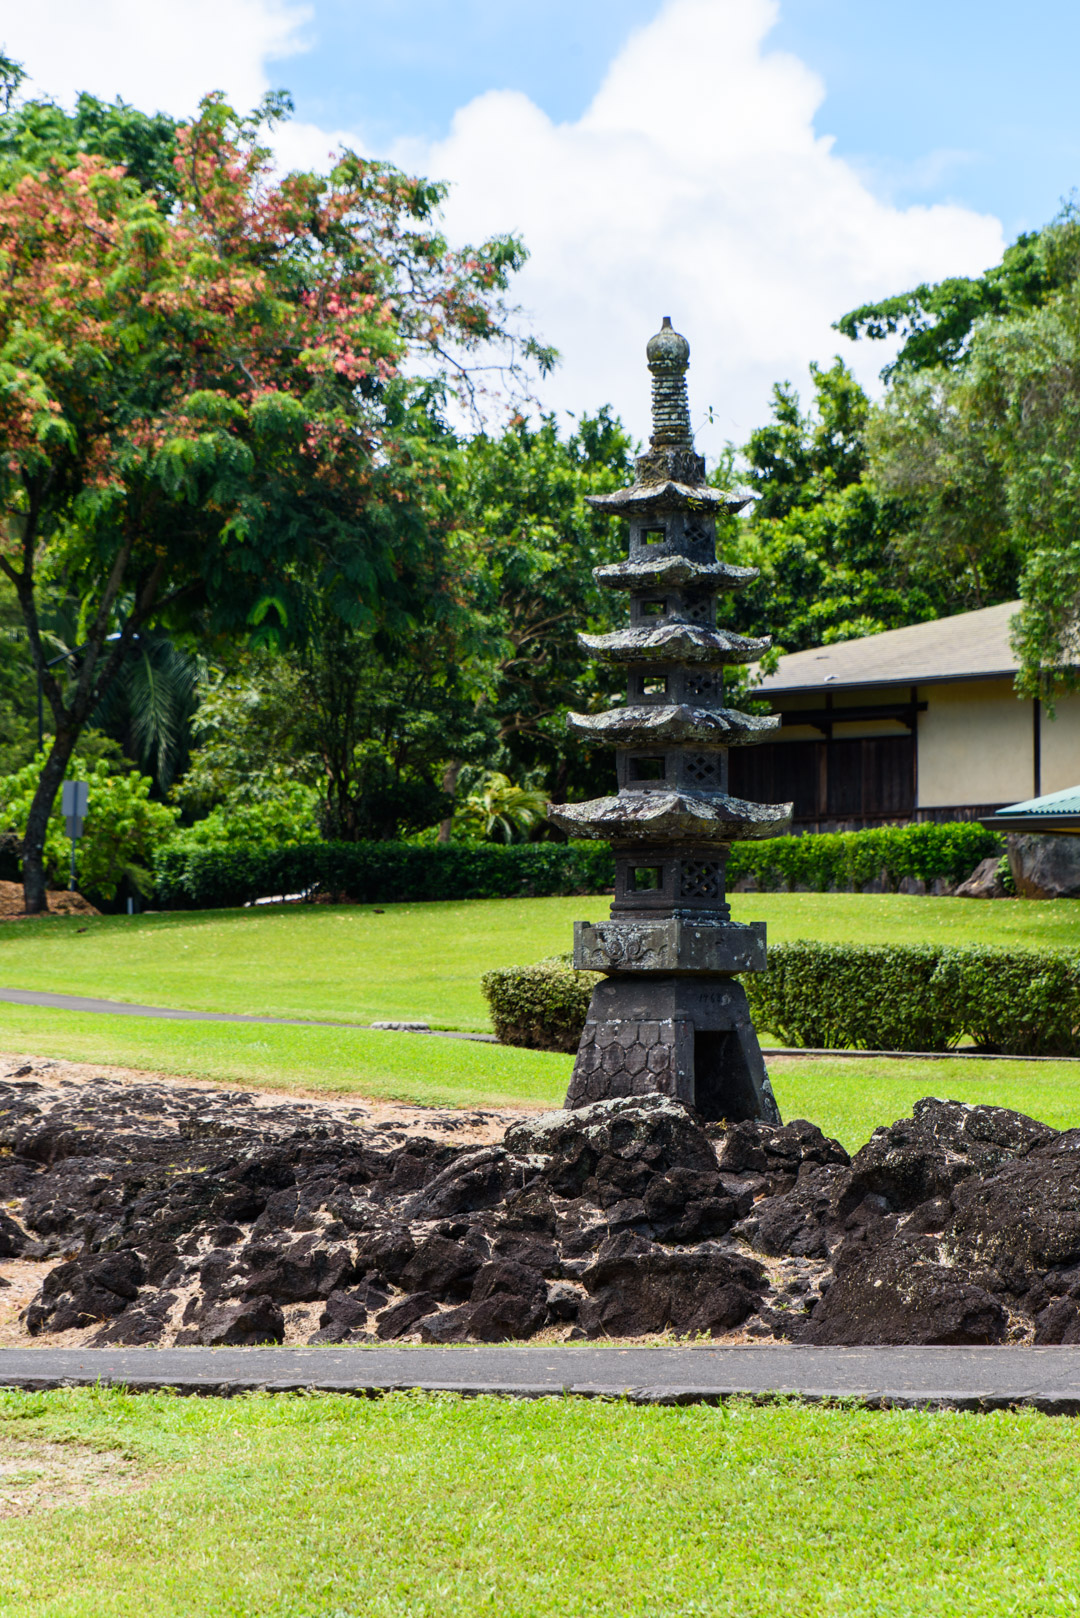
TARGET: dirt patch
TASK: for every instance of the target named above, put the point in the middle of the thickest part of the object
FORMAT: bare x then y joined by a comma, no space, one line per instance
38,1475
396,1120
60,902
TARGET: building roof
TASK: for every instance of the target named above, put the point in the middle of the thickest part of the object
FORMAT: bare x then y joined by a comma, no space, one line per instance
1057,811
970,646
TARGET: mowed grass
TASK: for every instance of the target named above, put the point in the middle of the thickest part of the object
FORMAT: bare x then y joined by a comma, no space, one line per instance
848,1097
415,1506
424,961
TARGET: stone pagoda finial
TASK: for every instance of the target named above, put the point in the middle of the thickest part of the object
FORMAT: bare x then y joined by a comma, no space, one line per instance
668,355
669,1014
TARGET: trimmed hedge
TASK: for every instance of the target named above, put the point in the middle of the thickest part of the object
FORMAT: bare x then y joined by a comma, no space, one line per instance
199,877
903,997
920,997
542,1007
851,859
194,878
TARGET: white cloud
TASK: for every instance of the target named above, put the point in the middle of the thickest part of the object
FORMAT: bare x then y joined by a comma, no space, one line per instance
695,185
161,55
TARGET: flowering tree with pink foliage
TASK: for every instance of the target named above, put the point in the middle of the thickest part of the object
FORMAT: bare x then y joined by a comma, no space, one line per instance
209,412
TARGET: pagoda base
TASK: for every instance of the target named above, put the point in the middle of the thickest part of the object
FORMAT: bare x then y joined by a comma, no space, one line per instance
688,1038
669,944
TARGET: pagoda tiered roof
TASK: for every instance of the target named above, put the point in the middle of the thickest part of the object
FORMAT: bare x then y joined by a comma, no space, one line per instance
668,817
672,573
669,495
676,642
669,723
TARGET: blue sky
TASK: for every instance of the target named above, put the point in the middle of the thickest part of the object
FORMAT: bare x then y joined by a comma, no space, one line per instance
973,101
754,168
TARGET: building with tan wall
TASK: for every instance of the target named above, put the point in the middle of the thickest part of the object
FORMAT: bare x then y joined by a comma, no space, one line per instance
921,723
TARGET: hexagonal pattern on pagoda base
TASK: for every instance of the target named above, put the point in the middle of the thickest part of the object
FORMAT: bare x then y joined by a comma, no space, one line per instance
701,1049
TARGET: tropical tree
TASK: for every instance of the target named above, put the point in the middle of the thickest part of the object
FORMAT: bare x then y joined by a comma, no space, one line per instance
528,542
500,810
204,411
827,544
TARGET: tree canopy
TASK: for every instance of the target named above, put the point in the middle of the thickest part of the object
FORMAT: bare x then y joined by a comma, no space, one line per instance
208,412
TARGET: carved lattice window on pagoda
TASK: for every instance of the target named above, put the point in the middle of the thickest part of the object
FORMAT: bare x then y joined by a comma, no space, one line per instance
701,683
701,879
703,769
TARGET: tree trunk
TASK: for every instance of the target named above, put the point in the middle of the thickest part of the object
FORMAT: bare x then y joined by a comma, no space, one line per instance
37,824
449,786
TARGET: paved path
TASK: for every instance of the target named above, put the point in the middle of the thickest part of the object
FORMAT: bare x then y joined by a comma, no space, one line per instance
951,1378
124,1008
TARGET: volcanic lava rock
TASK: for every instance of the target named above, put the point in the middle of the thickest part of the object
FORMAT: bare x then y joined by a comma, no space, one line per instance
637,1288
184,1215
254,1320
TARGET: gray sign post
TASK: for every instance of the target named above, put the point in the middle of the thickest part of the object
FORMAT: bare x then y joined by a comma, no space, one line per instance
74,800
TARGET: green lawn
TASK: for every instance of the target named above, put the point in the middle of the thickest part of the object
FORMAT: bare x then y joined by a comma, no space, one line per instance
847,1097
424,961
438,1507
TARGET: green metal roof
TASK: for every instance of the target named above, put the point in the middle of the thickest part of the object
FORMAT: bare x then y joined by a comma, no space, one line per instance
1056,811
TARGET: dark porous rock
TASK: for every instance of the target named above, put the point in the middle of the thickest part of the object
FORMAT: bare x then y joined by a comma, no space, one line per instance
386,1253
304,1271
13,1239
476,1180
506,1315
345,1314
616,1145
625,1218
751,1147
637,1288
802,1222
894,1291
942,1143
401,1317
89,1288
441,1267
254,1320
1059,1322
1024,1221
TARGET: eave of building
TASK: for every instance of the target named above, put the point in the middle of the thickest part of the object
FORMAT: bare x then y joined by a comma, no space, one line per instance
969,646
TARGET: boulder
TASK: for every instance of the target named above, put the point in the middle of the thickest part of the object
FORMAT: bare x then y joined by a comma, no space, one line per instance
637,1289
984,882
893,1291
255,1320
1045,866
942,1143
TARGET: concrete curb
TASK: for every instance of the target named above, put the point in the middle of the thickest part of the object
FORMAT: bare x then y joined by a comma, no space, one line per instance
939,1378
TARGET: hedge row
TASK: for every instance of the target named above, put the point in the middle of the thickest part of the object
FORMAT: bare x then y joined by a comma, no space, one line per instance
904,997
200,877
193,878
852,859
920,997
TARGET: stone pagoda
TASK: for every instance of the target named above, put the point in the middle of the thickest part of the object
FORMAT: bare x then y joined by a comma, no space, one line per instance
668,1015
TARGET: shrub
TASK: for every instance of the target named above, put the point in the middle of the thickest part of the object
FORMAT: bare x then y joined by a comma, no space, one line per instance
285,814
851,859
542,1007
121,833
189,876
849,996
